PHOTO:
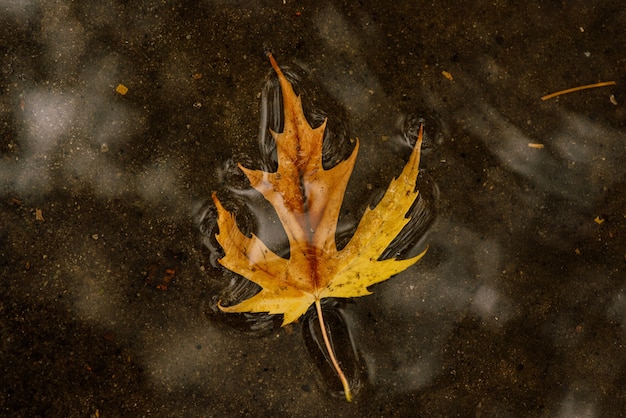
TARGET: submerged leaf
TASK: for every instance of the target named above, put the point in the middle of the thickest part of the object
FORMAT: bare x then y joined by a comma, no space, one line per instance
307,199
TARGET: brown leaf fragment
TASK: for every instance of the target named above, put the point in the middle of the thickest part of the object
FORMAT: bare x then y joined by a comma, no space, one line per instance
121,89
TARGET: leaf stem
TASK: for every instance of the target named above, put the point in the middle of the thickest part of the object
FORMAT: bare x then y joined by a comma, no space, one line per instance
333,359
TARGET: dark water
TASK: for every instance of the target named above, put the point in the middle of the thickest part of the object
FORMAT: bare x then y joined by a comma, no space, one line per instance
107,292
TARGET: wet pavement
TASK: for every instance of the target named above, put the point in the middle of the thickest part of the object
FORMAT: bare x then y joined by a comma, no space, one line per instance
107,291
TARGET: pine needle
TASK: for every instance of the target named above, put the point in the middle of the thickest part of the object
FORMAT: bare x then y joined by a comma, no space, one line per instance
573,89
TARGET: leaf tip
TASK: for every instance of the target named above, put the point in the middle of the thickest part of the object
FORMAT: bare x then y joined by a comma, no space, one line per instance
220,307
420,136
214,198
221,210
275,65
287,88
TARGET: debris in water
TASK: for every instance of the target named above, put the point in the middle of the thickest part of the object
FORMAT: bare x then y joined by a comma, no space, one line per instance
121,89
573,89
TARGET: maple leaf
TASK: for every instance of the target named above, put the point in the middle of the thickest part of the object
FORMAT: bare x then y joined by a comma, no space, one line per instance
307,199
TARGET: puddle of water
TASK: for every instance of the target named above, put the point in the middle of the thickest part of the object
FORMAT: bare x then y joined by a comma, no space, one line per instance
517,306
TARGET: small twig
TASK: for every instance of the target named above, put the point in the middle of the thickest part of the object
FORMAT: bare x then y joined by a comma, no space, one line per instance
333,359
573,89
